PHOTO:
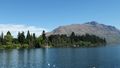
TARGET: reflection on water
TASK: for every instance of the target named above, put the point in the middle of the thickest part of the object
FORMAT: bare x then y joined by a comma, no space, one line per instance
101,57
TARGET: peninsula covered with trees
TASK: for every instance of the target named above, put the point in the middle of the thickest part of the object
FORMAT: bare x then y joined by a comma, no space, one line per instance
31,41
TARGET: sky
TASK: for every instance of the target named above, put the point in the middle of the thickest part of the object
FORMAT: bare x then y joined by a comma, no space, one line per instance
36,15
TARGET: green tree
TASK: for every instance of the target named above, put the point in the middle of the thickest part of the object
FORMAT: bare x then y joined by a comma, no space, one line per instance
21,38
2,39
41,41
43,35
8,38
34,36
31,41
34,39
72,37
44,38
28,37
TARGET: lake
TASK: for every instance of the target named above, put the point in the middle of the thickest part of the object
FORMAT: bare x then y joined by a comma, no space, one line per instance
99,57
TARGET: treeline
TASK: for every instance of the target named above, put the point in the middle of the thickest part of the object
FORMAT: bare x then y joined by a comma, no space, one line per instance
31,41
22,41
75,40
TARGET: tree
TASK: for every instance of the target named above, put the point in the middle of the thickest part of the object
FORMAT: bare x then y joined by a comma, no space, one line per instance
43,35
34,36
15,41
8,33
8,38
21,38
2,39
31,41
34,39
44,38
41,41
72,37
18,36
28,37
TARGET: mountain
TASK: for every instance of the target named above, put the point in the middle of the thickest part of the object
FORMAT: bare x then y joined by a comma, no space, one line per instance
111,33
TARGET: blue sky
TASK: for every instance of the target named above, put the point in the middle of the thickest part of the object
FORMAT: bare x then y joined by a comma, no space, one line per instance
50,14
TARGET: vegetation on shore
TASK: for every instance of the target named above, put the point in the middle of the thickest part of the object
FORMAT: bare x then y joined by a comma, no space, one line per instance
75,40
31,41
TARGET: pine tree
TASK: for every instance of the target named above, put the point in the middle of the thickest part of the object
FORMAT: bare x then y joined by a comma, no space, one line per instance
34,39
28,37
34,36
43,35
2,39
18,37
72,37
8,38
8,33
21,38
43,39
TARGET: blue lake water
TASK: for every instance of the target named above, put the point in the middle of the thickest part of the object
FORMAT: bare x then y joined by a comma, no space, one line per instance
99,57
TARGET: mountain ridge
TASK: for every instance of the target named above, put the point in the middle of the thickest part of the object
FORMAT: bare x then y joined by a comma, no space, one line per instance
111,33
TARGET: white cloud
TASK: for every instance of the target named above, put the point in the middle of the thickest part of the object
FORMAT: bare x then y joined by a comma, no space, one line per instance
15,28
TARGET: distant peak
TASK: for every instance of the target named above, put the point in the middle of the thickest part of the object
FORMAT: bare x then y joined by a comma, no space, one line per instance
92,23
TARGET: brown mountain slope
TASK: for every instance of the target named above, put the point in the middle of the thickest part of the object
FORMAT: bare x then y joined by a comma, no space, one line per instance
111,33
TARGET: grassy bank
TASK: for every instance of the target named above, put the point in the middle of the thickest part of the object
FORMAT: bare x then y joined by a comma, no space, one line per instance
14,46
67,45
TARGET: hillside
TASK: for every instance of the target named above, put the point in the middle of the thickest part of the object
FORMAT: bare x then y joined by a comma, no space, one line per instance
111,33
